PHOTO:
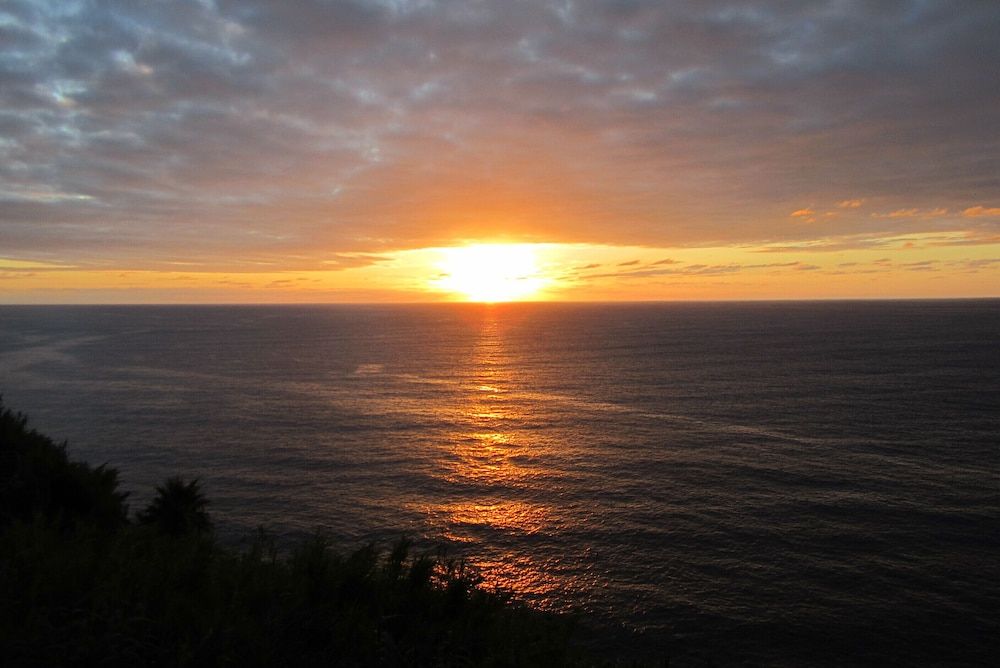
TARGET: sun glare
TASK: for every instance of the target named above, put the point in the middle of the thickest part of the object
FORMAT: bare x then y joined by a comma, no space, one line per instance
491,272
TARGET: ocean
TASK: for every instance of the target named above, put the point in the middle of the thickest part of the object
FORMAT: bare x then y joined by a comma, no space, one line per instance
783,483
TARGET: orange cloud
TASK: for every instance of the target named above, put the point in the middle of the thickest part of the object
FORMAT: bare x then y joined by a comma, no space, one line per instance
981,212
850,203
804,215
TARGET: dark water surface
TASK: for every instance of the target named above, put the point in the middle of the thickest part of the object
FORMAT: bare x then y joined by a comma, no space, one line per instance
781,483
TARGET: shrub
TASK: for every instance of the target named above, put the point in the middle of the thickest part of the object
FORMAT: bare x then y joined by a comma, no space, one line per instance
178,508
37,479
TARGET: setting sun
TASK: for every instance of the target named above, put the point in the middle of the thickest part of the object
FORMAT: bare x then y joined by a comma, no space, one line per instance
490,272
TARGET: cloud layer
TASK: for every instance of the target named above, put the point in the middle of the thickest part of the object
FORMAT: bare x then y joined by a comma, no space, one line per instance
280,134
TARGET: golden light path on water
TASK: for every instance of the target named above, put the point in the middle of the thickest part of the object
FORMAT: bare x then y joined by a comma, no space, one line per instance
491,457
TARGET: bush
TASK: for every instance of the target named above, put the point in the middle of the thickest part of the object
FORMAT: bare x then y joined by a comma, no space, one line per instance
178,508
37,479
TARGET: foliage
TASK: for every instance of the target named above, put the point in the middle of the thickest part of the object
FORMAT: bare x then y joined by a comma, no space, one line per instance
80,585
178,508
37,479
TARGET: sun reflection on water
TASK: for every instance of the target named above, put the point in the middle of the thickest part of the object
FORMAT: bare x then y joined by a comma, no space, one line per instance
492,467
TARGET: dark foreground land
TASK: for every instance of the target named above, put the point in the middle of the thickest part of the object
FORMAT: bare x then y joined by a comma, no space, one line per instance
84,583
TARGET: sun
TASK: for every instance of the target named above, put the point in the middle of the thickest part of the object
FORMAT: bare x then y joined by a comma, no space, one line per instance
491,272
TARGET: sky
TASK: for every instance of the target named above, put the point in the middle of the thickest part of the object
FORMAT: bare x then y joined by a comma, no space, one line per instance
340,151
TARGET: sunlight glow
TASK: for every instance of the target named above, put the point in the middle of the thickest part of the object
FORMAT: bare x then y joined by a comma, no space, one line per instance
491,272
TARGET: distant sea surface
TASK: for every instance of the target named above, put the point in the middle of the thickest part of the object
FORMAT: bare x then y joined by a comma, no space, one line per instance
767,483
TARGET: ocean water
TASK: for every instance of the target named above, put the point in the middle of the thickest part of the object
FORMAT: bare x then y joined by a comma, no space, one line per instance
755,484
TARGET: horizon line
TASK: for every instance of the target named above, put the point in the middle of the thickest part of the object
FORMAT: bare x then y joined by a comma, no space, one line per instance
520,303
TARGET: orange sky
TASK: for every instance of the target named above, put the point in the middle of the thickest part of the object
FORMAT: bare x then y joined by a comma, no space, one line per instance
315,152
926,266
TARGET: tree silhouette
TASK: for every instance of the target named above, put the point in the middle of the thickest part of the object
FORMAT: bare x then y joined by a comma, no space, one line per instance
178,508
37,477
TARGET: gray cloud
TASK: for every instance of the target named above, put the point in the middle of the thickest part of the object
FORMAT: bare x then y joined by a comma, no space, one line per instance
277,132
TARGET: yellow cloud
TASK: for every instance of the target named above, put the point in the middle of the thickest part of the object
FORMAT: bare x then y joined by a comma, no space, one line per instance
12,264
850,203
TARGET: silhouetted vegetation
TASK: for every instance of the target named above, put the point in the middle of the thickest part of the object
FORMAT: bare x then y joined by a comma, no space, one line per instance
177,509
81,584
37,480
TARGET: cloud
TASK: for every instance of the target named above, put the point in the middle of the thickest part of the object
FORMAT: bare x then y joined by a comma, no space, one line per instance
938,212
982,212
696,270
230,134
850,203
910,239
969,238
353,260
981,263
804,215
923,265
